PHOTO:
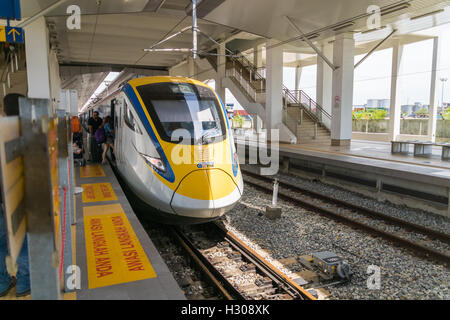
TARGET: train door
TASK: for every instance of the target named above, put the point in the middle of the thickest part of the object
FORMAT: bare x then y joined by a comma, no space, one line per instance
118,128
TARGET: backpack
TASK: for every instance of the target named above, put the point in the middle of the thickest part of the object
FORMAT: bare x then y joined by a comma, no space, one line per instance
76,127
100,135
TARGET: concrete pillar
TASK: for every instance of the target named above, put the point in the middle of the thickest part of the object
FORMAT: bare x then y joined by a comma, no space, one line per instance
37,52
343,57
432,111
221,72
257,56
55,80
395,106
298,73
274,86
324,80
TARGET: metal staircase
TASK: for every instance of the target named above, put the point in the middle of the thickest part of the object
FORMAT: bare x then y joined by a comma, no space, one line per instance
13,76
301,114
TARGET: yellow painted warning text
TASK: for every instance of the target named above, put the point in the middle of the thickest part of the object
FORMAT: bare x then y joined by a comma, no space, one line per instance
114,253
94,170
94,192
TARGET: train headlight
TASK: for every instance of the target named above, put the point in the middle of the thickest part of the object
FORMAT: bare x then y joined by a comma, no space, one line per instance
155,162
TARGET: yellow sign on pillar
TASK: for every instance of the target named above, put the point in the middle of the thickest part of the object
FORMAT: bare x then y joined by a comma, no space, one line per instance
2,34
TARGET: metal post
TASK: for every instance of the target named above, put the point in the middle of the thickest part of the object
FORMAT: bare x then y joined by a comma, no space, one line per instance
9,80
65,192
275,193
17,62
301,116
194,29
315,130
72,180
34,116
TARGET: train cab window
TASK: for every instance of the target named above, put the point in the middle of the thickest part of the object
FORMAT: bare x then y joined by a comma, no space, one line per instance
129,119
194,108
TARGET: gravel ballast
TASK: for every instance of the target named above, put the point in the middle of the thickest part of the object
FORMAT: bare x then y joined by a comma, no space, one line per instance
299,232
417,216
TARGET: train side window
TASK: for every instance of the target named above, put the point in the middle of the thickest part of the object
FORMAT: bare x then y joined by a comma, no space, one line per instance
129,119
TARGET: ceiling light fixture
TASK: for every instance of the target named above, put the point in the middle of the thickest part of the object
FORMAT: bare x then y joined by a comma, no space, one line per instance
427,14
313,36
395,8
343,26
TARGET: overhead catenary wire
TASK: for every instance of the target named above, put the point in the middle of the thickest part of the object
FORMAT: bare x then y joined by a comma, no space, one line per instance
99,3
167,34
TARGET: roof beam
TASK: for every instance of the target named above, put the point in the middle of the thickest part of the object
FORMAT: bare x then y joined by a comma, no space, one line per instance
375,48
309,42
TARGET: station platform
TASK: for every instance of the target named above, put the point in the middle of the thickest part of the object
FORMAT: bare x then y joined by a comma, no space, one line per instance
116,257
378,150
420,182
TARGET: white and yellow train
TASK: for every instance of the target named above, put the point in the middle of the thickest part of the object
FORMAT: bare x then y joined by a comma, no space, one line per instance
174,148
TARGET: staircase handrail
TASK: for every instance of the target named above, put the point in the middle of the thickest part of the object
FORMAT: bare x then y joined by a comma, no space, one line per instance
299,97
248,64
8,58
312,104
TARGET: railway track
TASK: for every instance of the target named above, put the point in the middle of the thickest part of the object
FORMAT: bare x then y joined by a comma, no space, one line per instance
233,268
371,221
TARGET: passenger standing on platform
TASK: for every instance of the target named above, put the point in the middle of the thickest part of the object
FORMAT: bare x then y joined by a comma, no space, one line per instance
109,133
11,103
93,124
8,50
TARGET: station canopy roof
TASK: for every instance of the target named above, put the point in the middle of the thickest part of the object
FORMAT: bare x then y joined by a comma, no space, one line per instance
115,32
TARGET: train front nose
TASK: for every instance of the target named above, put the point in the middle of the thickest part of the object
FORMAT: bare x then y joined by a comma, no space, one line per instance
205,193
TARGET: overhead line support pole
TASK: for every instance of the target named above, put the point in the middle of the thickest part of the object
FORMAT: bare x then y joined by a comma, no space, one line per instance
194,29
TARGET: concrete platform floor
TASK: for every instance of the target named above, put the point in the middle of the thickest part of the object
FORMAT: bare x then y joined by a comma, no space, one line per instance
365,149
376,150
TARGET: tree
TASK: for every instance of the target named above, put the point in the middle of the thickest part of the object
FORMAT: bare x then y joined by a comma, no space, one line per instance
446,114
422,113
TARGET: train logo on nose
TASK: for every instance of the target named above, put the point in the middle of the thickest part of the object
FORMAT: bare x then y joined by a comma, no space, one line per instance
205,165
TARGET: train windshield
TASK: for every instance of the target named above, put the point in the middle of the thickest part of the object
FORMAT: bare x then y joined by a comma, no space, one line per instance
184,112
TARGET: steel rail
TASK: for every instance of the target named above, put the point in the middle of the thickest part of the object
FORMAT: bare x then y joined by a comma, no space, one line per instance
214,276
220,281
362,210
415,247
263,265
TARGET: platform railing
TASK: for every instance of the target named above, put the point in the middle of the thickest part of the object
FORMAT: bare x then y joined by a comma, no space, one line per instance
39,153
